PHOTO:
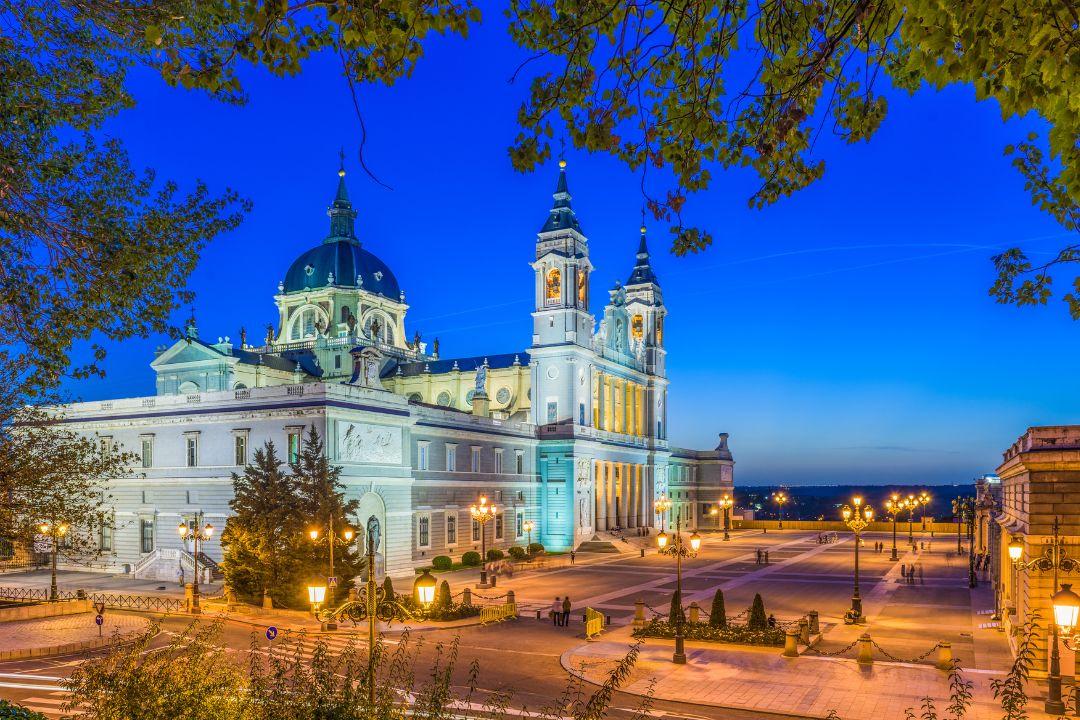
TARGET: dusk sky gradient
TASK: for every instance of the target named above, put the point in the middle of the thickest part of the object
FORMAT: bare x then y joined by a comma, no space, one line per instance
843,335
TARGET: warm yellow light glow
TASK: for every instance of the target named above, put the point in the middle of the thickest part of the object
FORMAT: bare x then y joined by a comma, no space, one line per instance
182,530
695,541
527,526
313,534
425,588
207,531
348,535
44,528
857,500
1016,550
868,513
1066,608
846,512
316,594
662,540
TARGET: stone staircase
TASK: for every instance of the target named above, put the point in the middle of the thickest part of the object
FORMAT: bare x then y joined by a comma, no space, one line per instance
162,563
616,541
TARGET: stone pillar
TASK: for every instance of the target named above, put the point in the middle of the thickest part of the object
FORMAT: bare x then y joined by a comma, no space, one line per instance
695,613
617,405
632,498
640,405
612,520
608,405
631,409
815,625
791,644
865,650
601,405
804,631
944,657
600,491
639,613
624,514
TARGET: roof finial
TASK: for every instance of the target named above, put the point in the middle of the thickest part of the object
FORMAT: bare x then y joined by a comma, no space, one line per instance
643,220
341,166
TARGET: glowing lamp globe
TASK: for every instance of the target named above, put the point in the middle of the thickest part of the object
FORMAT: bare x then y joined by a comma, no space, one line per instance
424,587
1016,550
313,534
348,535
207,531
1066,607
316,594
695,541
182,530
662,540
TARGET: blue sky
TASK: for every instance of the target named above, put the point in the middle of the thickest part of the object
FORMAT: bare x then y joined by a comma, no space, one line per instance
842,335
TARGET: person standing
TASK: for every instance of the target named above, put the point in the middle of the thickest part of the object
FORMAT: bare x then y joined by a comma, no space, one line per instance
766,557
566,608
903,571
573,556
556,612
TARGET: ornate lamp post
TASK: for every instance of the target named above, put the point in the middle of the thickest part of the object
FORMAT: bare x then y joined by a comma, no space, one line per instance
661,507
726,503
857,519
894,506
198,537
371,604
1055,559
678,548
54,531
527,526
483,514
924,499
332,539
781,498
959,508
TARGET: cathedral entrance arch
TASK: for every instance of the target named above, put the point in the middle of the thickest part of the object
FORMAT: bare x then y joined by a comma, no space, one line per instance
371,515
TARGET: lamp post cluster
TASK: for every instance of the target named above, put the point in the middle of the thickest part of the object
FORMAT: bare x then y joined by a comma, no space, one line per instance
894,506
528,526
661,506
332,539
678,548
726,503
54,531
198,536
483,513
1065,603
857,519
781,498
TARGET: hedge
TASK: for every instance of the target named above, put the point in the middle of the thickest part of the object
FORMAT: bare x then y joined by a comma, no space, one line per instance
517,553
470,559
441,563
736,634
495,554
536,549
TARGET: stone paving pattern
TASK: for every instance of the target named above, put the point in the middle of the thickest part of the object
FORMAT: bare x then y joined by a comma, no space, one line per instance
66,629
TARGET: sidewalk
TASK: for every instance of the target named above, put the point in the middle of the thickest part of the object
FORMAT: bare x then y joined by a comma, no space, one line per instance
64,634
760,679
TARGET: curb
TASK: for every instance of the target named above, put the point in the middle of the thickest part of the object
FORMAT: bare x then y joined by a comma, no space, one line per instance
68,648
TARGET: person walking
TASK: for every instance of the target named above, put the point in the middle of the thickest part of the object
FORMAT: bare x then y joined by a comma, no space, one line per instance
757,556
556,612
573,556
766,557
903,571
566,608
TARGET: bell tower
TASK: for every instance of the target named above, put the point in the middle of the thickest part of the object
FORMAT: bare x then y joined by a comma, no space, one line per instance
646,310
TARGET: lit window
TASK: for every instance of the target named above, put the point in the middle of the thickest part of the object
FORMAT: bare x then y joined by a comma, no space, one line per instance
660,331
475,531
553,286
582,284
637,327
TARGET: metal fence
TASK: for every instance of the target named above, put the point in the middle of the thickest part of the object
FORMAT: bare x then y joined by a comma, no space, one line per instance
116,601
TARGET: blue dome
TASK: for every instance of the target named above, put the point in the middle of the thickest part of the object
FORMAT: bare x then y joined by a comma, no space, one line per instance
351,265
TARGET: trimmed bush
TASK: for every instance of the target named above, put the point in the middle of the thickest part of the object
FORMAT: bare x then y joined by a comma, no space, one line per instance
757,620
676,613
470,559
441,563
536,549
443,599
495,554
717,613
737,634
388,588
517,553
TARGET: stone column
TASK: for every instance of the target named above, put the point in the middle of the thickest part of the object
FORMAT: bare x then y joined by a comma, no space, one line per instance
612,520
641,411
600,516
600,404
608,409
643,515
632,497
616,405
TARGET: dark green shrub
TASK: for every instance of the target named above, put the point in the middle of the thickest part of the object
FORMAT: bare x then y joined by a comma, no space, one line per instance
757,619
717,613
17,712
388,588
536,549
443,599
738,634
495,554
676,613
470,559
441,563
517,553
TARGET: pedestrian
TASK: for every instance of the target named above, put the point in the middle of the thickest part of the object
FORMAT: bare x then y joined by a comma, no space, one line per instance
573,555
911,573
772,620
180,575
903,571
766,557
566,608
757,556
556,611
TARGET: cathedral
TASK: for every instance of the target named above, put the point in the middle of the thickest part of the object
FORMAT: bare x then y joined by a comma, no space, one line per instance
568,434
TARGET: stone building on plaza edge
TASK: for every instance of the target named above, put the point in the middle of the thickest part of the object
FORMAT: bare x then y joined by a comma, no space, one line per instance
1040,481
570,433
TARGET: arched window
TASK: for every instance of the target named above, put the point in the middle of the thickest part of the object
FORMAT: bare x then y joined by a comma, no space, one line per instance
637,327
553,290
582,288
303,324
344,313
188,388
386,327
660,330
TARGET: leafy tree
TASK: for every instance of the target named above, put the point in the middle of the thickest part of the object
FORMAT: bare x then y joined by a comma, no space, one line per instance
676,614
56,488
757,619
13,711
263,539
717,613
444,600
320,498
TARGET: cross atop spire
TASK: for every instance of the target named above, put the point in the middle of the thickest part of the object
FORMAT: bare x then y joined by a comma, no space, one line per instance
342,215
562,215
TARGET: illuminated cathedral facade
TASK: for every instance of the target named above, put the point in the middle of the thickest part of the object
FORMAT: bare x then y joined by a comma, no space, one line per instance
568,434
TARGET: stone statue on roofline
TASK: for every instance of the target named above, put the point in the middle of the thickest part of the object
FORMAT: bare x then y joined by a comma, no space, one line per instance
481,380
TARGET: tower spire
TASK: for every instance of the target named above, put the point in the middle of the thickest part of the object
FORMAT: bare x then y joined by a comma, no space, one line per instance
642,273
341,212
562,214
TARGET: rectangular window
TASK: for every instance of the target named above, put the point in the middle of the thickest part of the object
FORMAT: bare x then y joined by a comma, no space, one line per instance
475,531
499,526
475,460
451,457
192,450
240,450
451,528
422,455
519,462
424,531
552,411
519,524
105,534
294,447
581,413
147,452
146,535
498,460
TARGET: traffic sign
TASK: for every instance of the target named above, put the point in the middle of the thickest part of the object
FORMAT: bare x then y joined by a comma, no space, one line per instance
100,619
331,581
271,632
100,607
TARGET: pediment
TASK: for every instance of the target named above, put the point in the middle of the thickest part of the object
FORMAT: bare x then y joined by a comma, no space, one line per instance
183,352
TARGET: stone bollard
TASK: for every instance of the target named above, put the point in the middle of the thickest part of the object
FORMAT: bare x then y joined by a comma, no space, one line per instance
944,656
695,613
493,580
791,644
510,598
865,650
639,613
466,597
815,624
642,552
804,631
189,597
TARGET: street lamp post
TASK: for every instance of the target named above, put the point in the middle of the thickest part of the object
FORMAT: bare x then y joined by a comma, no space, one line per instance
1064,603
781,498
923,500
912,503
894,506
857,520
678,549
54,531
331,540
726,502
483,514
661,507
198,537
527,526
958,510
